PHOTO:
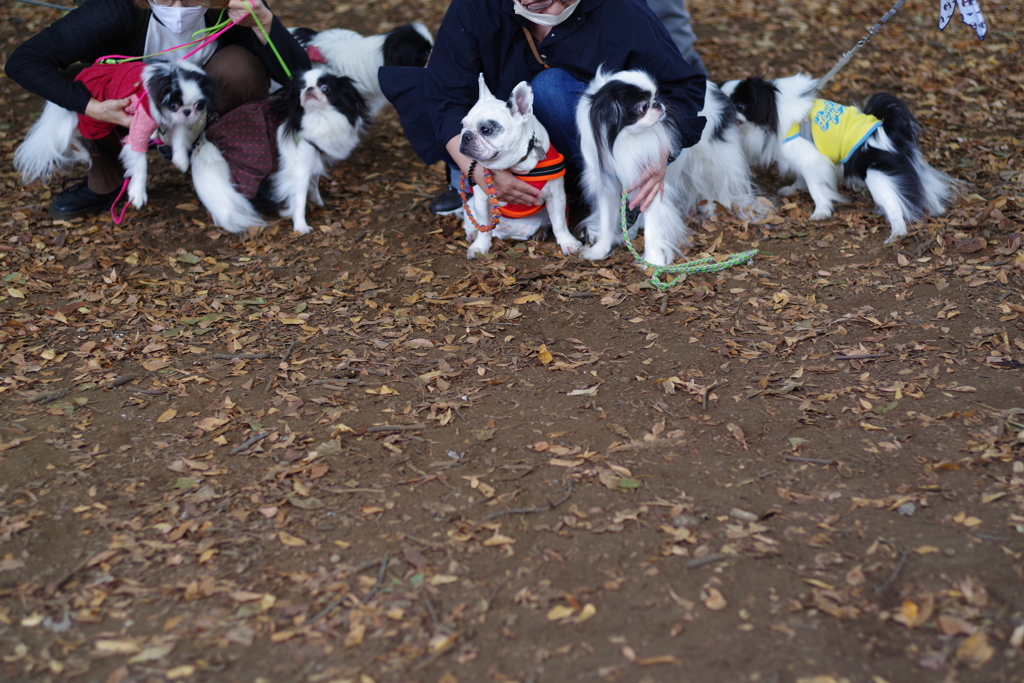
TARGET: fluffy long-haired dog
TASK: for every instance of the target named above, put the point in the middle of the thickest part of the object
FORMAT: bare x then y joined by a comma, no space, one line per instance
280,146
170,101
347,53
821,142
624,127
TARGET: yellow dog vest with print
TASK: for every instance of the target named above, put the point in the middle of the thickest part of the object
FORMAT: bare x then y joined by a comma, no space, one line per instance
837,131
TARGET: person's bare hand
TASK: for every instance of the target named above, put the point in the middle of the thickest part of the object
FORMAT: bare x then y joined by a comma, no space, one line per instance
650,185
238,10
109,111
510,189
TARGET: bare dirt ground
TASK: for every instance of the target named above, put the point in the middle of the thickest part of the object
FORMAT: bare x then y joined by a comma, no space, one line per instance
357,456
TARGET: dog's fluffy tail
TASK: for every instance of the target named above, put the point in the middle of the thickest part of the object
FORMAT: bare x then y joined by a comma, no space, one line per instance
937,190
211,176
52,144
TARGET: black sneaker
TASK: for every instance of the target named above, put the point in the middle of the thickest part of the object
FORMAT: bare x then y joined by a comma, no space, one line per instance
79,201
446,203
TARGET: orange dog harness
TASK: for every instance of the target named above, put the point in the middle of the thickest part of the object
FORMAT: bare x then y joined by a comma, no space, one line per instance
550,167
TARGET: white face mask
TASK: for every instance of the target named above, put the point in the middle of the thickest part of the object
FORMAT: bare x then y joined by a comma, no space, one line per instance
546,19
179,19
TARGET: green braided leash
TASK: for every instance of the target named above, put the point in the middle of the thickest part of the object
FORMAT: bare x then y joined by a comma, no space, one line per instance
704,265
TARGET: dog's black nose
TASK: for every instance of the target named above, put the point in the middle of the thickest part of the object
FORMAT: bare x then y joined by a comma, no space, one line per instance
467,137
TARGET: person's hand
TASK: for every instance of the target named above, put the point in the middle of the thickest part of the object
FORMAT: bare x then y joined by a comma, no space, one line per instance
109,111
510,189
240,10
650,185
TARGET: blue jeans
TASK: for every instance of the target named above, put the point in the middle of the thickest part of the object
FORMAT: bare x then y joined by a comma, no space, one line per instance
555,96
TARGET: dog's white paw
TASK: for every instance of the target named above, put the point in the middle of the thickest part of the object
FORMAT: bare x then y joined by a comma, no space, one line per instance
475,251
788,191
821,214
137,195
302,228
595,252
658,257
570,246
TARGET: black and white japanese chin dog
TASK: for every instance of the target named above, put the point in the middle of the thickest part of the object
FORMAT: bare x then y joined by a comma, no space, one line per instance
278,148
170,102
821,142
347,53
624,127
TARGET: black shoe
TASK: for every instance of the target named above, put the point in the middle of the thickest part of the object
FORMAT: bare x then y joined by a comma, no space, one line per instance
446,203
262,202
78,201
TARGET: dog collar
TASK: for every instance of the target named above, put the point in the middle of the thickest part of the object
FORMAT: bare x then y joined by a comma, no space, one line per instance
529,148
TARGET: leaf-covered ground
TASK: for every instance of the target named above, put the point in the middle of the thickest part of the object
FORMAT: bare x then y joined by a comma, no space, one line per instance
357,456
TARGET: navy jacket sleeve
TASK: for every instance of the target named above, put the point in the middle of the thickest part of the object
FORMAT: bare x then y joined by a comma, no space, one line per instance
83,35
102,27
487,37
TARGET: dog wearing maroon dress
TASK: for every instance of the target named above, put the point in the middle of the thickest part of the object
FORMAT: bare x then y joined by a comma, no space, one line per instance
278,148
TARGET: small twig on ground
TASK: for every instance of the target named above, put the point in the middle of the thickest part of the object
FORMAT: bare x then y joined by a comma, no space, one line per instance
47,396
861,356
813,461
895,572
424,541
121,379
244,356
528,511
249,442
335,489
137,390
707,392
430,606
664,304
419,382
707,559
338,600
284,359
376,429
380,580
337,383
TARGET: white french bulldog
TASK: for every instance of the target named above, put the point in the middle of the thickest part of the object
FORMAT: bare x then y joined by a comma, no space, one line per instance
502,136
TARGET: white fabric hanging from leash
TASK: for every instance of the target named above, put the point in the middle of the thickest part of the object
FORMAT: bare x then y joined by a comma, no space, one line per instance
970,12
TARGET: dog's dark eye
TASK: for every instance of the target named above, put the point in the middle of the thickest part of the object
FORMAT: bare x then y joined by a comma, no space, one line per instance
200,105
642,108
174,106
740,107
325,89
486,130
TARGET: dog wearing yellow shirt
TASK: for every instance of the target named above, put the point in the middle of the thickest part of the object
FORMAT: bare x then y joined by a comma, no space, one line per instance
821,142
